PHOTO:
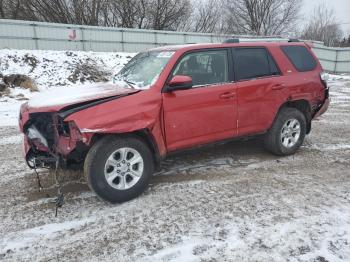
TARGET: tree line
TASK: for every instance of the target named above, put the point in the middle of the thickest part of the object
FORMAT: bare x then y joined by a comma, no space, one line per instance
235,17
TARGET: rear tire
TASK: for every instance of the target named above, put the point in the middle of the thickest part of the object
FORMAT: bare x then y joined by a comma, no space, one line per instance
118,169
287,132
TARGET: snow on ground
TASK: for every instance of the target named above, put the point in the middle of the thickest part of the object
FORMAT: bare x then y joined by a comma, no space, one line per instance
14,139
334,78
233,202
54,68
51,70
9,112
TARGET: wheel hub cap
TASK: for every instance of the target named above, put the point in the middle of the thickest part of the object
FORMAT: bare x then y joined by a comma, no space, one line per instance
290,133
124,168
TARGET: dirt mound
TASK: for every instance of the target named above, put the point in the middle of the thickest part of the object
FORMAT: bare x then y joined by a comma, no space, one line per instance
2,84
89,71
18,80
50,69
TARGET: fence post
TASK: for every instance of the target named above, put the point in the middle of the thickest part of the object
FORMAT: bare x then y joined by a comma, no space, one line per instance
83,38
122,37
336,61
155,38
35,36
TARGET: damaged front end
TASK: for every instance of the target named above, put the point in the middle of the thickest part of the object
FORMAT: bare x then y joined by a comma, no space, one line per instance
48,139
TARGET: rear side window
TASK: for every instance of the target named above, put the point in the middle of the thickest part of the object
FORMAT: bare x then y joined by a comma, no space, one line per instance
252,63
300,57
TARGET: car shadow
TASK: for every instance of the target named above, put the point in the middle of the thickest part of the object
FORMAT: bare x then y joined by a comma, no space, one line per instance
211,161
205,162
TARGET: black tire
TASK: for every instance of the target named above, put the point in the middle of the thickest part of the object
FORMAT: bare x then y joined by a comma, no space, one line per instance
94,167
272,138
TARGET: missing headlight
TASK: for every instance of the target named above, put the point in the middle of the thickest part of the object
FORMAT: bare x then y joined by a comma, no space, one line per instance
37,138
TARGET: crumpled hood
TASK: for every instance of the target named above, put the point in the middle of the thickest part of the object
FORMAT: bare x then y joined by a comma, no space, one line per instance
58,98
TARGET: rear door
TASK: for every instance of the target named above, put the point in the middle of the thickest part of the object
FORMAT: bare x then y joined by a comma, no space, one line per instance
260,89
207,112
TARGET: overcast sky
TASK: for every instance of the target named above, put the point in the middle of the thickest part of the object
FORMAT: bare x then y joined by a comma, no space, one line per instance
341,8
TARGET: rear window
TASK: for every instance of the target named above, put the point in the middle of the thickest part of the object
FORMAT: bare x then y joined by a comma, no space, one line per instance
300,57
253,63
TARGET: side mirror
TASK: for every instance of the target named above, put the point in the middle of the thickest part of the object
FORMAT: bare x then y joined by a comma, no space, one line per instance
179,82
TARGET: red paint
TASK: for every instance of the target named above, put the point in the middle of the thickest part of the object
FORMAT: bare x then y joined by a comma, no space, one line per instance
199,115
73,35
179,80
187,118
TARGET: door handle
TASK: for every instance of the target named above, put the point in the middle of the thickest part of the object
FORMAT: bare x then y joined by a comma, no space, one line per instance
227,95
278,87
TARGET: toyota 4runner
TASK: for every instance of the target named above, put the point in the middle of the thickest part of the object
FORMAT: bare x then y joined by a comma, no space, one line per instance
173,98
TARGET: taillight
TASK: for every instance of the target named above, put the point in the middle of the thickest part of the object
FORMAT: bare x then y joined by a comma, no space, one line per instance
324,79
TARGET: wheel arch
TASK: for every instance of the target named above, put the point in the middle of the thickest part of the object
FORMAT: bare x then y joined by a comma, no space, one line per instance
143,134
303,106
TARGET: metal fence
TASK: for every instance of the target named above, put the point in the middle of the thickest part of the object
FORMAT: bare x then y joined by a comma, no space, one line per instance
335,60
49,36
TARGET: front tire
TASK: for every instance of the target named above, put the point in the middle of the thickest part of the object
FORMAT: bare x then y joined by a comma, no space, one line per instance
287,132
118,169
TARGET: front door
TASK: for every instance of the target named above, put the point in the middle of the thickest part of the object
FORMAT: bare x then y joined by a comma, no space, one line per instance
207,112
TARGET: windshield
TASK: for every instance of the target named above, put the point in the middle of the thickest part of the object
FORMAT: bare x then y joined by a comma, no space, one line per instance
143,70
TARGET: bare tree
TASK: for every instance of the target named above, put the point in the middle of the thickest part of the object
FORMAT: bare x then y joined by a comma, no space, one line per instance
11,9
58,11
205,16
87,12
3,10
152,14
127,13
167,14
261,17
323,26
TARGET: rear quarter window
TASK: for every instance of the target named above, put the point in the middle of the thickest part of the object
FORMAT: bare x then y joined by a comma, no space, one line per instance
251,63
300,57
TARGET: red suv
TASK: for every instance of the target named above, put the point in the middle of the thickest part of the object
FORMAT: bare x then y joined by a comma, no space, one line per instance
172,98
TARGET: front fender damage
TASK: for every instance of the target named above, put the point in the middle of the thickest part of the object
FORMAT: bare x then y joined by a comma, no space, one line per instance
47,136
126,117
70,132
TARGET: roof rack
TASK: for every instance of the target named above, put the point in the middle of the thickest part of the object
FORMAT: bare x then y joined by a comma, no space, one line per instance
256,39
231,40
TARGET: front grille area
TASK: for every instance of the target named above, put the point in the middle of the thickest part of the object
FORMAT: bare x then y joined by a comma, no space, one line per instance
45,125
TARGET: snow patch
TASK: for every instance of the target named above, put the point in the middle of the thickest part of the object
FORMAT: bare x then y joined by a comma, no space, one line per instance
180,252
333,77
323,147
9,112
10,140
24,238
64,95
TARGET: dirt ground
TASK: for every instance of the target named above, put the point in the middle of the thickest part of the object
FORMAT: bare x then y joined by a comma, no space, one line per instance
233,202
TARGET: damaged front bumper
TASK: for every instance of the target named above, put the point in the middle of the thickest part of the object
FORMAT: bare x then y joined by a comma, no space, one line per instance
48,138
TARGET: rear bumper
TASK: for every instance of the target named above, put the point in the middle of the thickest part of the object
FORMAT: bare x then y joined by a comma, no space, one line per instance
323,108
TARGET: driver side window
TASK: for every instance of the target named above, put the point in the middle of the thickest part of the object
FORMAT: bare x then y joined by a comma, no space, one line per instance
205,67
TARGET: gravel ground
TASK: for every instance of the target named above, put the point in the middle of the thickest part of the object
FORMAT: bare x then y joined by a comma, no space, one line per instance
233,202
